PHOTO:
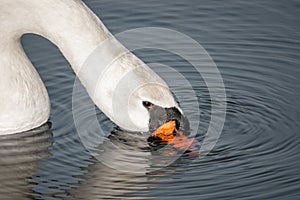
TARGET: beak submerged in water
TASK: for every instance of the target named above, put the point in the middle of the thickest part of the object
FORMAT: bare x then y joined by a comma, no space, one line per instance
169,126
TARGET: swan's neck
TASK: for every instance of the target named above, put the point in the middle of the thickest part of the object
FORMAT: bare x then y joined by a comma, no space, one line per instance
69,24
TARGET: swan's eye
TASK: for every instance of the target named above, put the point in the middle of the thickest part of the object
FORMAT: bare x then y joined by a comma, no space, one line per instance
147,104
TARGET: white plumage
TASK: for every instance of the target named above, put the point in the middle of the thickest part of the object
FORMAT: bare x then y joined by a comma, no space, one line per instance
70,25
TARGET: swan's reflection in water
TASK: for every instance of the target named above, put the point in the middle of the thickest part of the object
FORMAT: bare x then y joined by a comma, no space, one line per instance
19,158
125,167
124,152
130,153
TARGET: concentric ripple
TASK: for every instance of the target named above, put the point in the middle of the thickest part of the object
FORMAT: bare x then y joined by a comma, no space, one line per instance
255,45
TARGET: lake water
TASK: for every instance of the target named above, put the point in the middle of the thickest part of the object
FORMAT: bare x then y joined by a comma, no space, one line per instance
256,47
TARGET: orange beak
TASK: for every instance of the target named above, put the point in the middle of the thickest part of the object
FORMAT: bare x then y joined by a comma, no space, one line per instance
166,132
169,134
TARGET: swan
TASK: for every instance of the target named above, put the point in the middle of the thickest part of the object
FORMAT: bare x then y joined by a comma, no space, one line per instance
77,32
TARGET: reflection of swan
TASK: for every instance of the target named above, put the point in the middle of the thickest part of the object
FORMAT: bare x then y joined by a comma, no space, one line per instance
20,157
70,25
126,167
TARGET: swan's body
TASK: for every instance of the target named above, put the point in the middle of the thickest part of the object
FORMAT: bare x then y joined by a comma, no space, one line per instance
69,24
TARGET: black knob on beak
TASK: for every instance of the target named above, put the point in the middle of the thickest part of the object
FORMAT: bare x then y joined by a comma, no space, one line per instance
160,115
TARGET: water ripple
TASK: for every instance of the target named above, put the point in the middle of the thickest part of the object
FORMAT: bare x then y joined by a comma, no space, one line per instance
255,45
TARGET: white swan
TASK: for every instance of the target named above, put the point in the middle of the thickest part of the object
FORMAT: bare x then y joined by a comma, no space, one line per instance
76,31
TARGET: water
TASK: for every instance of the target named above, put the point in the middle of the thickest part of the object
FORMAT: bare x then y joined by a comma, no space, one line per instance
255,45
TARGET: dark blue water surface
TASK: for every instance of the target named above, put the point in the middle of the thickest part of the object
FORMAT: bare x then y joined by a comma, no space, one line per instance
256,46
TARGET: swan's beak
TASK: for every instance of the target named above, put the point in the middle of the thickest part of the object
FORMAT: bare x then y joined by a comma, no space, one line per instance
168,126
160,116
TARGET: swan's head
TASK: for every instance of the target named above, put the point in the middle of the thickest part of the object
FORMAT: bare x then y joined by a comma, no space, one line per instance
153,105
136,98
